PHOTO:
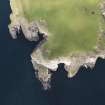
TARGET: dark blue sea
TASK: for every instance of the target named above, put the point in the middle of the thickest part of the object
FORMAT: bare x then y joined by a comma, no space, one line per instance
19,86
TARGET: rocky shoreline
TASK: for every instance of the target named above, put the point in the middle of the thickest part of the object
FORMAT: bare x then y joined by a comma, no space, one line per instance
71,64
43,66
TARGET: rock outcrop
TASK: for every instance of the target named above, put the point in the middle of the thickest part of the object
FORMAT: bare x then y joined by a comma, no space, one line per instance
42,65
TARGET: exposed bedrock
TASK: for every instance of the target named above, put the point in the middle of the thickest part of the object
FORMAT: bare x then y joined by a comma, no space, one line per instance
30,31
43,66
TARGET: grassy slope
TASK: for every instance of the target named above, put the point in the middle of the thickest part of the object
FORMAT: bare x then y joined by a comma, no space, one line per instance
73,24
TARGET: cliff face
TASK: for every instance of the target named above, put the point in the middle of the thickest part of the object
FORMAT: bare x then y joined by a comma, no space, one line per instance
42,65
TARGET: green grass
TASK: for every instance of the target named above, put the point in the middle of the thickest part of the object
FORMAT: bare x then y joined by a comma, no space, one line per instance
73,24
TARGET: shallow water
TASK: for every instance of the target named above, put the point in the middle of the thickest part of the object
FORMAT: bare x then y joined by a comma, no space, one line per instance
19,86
